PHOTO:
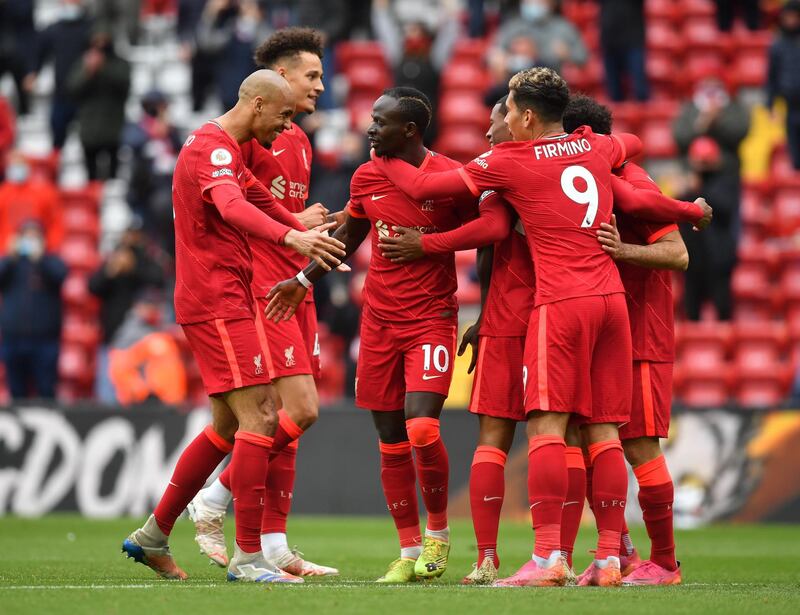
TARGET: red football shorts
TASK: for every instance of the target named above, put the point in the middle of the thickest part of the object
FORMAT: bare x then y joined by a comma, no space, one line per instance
293,345
577,354
651,403
498,388
228,354
399,359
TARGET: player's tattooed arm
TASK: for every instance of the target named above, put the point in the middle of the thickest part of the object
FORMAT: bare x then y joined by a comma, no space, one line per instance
285,296
668,252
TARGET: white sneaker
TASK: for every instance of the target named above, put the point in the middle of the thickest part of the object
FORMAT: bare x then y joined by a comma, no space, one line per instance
209,525
293,563
254,568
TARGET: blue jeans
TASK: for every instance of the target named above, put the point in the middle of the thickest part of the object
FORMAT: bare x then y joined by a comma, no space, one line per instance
622,62
104,389
31,367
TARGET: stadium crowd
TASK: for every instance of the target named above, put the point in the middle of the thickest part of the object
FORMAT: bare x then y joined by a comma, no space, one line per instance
115,87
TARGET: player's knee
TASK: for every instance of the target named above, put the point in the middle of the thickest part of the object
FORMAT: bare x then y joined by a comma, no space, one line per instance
303,409
422,431
641,450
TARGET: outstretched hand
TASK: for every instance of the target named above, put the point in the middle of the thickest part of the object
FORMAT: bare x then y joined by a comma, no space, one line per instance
610,240
284,298
470,338
317,245
404,247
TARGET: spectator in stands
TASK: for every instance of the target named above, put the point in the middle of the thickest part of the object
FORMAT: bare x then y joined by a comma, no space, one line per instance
712,253
713,113
419,47
65,42
122,18
99,85
30,315
229,31
124,274
201,63
155,144
783,78
145,361
8,133
23,198
536,36
726,11
17,37
622,41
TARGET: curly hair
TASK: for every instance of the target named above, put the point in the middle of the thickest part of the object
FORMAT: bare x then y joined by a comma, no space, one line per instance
413,104
287,44
542,90
584,110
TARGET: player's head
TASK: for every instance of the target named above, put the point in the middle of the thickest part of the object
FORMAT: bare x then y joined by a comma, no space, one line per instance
498,129
584,110
399,116
296,54
537,98
266,101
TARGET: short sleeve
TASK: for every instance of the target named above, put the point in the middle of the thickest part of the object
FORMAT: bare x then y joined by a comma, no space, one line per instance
355,206
216,164
610,147
485,172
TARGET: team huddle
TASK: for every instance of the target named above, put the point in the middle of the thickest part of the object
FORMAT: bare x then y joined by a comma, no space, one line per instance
575,336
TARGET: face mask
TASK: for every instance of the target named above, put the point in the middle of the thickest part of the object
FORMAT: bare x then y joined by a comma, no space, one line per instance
246,28
29,245
519,62
71,12
17,173
533,12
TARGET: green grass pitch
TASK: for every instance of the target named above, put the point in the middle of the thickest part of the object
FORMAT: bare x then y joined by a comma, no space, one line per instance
67,564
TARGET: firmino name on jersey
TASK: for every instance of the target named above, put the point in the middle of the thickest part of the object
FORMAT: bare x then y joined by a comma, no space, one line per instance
562,148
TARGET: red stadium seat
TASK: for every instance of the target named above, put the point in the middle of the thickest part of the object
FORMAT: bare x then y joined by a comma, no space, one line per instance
360,108
627,116
368,78
80,221
87,197
462,144
755,213
786,206
352,52
663,37
754,297
80,332
657,11
75,364
749,69
80,253
759,341
470,50
464,76
763,255
583,14
764,390
662,71
76,295
781,165
697,9
656,135
588,79
709,338
463,109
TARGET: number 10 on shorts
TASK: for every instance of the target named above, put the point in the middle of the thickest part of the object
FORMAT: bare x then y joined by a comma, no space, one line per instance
440,356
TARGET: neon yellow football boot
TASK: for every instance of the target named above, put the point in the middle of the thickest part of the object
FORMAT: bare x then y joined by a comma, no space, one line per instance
433,561
400,570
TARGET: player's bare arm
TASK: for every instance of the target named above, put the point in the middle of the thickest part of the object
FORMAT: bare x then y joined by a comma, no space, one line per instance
470,338
286,296
313,216
668,252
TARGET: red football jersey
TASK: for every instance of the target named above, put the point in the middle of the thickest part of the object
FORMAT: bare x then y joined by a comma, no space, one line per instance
285,170
213,265
648,291
512,289
561,189
423,289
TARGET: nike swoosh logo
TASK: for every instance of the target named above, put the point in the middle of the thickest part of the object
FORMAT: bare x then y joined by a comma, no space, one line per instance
486,498
429,377
377,197
278,152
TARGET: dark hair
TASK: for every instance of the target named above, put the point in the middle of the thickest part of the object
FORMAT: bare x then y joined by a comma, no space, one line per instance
584,110
542,90
502,102
414,106
288,43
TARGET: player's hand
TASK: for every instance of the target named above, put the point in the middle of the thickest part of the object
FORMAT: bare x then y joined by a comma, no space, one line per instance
313,216
708,214
470,339
316,245
610,241
284,298
337,217
405,247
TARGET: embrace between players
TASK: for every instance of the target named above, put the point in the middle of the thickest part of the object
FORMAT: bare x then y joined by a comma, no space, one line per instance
555,344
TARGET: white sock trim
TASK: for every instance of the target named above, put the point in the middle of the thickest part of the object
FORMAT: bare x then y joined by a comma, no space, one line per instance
410,552
440,534
274,544
217,496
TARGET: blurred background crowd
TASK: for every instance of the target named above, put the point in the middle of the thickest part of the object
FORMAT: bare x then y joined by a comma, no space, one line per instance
97,96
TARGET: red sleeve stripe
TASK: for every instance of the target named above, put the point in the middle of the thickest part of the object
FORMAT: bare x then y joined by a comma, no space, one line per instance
468,180
220,182
664,230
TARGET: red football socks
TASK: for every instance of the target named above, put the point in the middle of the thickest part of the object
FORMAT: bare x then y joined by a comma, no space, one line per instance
248,476
609,491
280,485
486,493
573,505
547,491
433,468
281,475
656,495
399,482
194,466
